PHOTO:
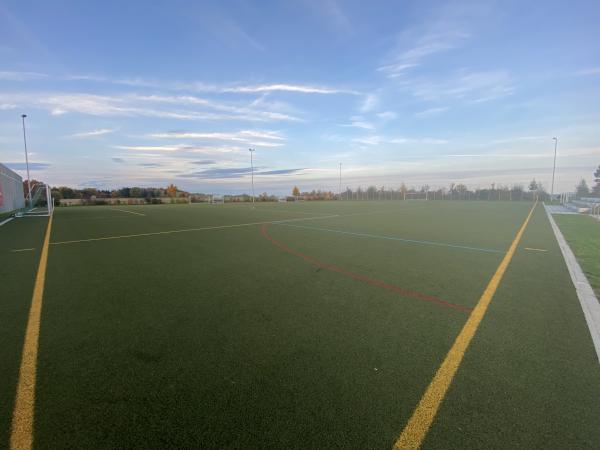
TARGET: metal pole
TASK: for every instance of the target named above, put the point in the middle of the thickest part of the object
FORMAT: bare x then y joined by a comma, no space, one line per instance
26,160
340,181
251,150
553,169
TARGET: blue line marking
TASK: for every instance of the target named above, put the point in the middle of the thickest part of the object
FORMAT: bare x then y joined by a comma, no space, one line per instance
392,238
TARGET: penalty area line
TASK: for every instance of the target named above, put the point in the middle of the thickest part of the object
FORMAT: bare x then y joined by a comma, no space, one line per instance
399,239
126,211
188,230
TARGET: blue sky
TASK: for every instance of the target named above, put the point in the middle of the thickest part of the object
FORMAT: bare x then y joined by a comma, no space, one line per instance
426,93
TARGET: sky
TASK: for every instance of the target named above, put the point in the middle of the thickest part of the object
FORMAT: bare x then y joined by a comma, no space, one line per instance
144,93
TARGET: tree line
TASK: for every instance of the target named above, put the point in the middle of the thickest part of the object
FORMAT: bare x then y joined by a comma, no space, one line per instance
65,192
582,189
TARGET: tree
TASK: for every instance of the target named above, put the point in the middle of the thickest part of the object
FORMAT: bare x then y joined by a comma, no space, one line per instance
596,189
533,186
296,192
582,189
171,190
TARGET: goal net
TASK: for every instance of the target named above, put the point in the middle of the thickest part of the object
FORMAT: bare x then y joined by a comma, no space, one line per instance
40,203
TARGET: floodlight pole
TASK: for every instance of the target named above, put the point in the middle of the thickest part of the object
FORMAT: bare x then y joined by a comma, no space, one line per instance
252,150
26,161
553,168
340,181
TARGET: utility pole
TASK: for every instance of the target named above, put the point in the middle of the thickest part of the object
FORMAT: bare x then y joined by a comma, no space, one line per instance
27,161
553,168
251,150
340,181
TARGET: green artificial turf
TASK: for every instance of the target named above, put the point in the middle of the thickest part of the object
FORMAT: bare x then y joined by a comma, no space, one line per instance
531,377
280,335
583,236
17,275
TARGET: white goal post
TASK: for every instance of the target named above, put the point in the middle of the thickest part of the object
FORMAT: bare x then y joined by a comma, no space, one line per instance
217,200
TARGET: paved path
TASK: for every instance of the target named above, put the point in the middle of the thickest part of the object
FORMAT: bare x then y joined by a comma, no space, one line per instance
559,209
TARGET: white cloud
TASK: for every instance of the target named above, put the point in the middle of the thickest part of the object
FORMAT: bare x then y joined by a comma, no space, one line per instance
380,140
304,89
359,122
413,51
254,109
21,76
475,87
93,133
431,112
131,105
369,103
179,148
256,138
520,139
387,115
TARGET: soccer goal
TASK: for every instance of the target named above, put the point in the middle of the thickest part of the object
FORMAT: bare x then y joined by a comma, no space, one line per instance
217,200
41,202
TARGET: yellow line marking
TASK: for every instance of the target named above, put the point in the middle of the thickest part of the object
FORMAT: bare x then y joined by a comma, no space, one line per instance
218,227
22,250
536,249
126,211
417,427
21,435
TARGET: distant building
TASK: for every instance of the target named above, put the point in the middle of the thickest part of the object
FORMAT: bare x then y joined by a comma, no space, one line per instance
11,190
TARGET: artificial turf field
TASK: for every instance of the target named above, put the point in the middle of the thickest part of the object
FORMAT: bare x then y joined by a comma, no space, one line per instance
296,325
582,232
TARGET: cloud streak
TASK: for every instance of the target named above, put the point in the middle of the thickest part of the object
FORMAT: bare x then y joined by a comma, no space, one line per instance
92,134
133,105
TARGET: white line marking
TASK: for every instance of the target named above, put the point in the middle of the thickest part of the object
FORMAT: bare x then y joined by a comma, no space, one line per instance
6,221
536,249
260,208
585,293
400,239
125,211
22,250
187,230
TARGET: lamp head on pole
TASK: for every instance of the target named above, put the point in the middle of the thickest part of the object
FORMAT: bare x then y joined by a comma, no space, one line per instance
23,115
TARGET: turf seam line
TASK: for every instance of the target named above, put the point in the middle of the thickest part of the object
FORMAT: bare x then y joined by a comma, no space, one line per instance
356,276
419,423
393,238
21,436
187,230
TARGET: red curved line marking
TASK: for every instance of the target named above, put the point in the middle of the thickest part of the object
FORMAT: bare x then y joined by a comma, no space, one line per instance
359,277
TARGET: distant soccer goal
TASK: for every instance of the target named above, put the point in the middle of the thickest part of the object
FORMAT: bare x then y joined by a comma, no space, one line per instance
217,200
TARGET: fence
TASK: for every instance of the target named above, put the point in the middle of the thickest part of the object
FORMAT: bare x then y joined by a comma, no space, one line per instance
11,191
